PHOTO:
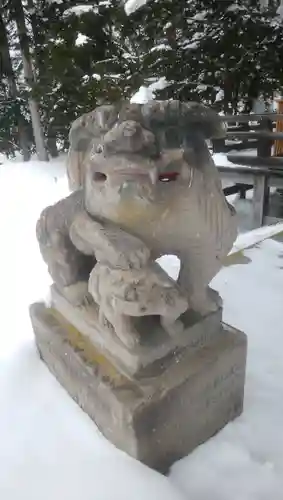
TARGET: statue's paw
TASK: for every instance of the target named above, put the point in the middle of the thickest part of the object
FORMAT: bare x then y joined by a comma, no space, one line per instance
77,294
126,331
122,326
129,338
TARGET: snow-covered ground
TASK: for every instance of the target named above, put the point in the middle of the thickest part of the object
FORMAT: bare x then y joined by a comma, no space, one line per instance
49,449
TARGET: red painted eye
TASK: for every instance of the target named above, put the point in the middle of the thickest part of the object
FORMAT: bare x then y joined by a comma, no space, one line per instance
168,177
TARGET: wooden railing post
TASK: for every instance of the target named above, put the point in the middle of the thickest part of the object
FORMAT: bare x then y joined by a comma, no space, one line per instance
218,145
261,187
264,148
278,145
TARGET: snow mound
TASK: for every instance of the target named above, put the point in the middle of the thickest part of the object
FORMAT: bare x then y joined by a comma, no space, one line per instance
51,449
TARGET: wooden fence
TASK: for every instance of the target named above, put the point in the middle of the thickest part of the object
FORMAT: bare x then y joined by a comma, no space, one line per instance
258,172
252,131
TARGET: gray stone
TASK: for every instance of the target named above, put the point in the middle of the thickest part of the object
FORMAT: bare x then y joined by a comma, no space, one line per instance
125,205
85,134
77,294
130,137
189,218
182,119
155,347
66,264
130,111
163,419
147,357
108,243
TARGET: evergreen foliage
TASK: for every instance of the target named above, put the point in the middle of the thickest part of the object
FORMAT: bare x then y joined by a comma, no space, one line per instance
225,53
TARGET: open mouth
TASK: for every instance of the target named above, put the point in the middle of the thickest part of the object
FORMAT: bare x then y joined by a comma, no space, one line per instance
99,177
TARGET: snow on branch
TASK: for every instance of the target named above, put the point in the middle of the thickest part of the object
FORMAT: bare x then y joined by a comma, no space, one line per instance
81,39
130,6
146,94
133,5
80,9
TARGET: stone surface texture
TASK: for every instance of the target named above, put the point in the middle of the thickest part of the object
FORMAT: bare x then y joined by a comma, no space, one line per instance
144,185
156,420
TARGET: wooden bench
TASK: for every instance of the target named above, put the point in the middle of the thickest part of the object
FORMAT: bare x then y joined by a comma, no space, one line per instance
258,177
249,131
253,172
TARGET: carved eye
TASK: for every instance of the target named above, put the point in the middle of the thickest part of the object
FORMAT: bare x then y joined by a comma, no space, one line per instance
99,177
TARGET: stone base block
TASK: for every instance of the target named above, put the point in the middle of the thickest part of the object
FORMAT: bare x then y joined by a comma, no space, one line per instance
154,352
156,421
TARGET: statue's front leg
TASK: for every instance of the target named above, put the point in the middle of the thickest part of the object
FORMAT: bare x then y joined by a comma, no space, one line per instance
200,297
205,301
125,330
172,326
122,324
67,265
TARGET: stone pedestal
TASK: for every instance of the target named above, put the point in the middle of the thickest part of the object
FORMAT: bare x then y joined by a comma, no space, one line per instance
158,402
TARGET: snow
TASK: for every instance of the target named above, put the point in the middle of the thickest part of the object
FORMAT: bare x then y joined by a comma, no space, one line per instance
246,240
81,39
146,94
159,47
245,461
78,10
190,45
219,96
201,87
143,95
235,7
133,5
200,16
96,76
51,449
222,160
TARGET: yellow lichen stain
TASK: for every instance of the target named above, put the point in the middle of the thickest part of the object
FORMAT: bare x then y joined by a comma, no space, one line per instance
88,352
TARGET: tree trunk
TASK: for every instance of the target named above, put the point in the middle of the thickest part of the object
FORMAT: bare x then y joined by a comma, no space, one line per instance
19,17
24,142
39,39
7,70
52,146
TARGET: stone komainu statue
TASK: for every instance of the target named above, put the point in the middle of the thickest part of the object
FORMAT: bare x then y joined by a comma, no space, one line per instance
143,185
